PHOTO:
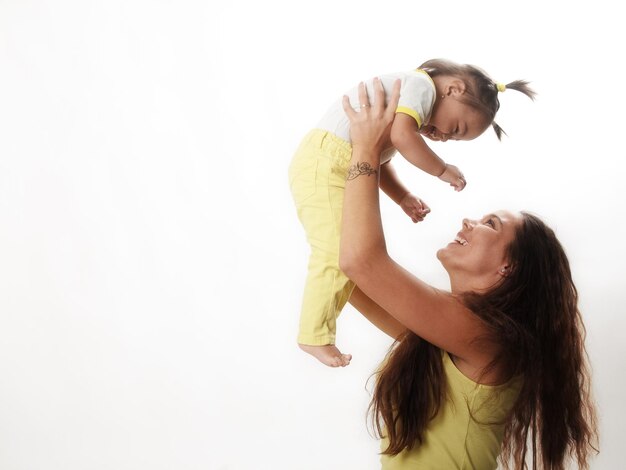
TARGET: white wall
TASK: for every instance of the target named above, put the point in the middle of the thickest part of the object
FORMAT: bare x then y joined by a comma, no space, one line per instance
151,261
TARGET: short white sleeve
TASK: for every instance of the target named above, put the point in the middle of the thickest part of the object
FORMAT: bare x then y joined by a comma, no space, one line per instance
417,96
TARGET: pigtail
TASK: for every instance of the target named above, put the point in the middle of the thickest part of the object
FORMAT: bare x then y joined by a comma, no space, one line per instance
498,130
523,87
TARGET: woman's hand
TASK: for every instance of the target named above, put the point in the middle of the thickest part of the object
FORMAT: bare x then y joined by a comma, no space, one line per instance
362,238
370,128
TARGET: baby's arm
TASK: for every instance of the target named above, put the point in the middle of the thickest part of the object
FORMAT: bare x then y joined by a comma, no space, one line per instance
391,185
407,140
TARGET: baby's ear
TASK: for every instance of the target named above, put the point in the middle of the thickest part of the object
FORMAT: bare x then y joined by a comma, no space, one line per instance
456,87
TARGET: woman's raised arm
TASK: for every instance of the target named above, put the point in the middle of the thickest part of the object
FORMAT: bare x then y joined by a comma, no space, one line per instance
434,315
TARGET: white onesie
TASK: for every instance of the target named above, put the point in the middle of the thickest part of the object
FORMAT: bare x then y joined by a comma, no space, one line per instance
417,97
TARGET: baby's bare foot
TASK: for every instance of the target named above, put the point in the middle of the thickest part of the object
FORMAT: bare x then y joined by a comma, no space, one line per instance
328,354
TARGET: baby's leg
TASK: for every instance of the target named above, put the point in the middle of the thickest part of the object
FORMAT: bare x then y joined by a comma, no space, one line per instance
326,292
317,176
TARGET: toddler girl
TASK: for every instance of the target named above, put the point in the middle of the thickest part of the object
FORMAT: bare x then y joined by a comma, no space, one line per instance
441,101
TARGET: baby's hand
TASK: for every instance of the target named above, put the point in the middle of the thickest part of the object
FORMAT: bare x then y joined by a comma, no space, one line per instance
414,207
453,176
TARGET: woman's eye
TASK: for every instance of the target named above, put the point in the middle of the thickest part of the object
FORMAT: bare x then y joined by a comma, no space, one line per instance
491,222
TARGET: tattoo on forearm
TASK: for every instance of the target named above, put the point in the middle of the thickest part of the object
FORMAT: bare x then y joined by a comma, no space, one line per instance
359,169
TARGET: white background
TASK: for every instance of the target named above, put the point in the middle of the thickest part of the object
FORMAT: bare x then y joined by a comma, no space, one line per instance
151,261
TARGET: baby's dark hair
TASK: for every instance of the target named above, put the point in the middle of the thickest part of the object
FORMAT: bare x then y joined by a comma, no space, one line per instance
481,91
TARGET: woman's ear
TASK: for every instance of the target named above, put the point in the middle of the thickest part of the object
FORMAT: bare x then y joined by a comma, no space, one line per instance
504,271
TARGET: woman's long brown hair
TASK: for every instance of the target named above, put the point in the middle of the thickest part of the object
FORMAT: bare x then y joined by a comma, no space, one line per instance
533,316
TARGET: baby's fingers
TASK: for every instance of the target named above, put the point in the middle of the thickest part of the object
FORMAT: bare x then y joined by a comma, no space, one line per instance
461,184
422,206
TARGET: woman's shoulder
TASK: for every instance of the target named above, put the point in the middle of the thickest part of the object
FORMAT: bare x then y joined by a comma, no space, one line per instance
463,372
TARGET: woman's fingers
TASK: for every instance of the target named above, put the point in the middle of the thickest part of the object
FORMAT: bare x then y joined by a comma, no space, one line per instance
364,100
379,94
347,107
393,99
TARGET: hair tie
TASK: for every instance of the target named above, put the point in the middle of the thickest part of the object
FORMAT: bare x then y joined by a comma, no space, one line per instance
501,87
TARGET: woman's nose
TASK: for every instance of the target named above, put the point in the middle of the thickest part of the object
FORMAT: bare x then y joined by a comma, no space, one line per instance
468,224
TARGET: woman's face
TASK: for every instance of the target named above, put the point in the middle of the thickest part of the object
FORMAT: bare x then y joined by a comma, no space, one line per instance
476,259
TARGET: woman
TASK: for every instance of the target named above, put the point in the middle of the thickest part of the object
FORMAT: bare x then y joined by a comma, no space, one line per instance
496,366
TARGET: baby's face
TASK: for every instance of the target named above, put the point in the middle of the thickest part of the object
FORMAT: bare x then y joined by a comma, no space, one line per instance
454,120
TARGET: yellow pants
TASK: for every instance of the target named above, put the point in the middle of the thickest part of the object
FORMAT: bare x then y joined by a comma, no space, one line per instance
317,178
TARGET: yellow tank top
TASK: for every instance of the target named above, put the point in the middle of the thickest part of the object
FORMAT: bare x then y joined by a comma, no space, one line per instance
454,439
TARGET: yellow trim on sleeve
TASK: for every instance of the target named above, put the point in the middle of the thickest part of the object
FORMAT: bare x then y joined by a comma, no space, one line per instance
426,73
410,112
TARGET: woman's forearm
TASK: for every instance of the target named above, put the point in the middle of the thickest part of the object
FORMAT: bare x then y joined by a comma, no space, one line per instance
377,315
436,316
362,237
